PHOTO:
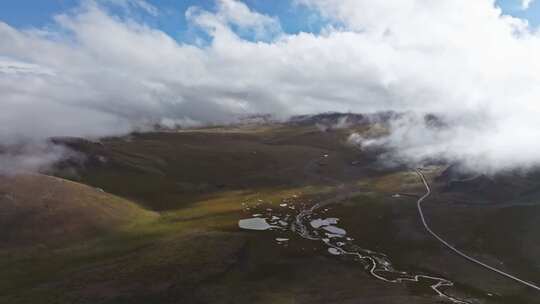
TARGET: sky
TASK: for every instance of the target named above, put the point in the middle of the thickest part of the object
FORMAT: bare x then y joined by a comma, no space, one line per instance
293,17
97,68
171,18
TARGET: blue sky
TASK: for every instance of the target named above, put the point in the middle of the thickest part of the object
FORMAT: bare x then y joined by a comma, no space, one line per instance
512,7
31,13
293,18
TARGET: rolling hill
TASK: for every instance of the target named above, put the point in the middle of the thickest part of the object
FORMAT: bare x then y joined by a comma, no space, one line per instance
41,209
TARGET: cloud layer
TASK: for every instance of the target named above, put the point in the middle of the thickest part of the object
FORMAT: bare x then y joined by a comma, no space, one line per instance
96,74
525,4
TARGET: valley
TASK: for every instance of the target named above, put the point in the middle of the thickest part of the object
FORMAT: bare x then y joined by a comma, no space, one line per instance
154,218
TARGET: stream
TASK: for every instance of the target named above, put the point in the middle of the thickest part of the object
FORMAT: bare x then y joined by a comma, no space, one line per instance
311,224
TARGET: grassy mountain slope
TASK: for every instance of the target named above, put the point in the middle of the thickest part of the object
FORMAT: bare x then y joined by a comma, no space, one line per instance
40,209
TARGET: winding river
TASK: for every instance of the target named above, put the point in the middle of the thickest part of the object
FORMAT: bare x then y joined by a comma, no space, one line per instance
310,223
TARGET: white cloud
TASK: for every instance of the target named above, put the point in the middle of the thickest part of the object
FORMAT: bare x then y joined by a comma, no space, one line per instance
33,157
102,75
232,12
10,66
525,4
135,4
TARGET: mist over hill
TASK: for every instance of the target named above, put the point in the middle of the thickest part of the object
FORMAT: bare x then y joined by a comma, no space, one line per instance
95,72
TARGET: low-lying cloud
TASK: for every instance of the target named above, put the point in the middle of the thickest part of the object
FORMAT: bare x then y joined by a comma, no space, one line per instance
96,74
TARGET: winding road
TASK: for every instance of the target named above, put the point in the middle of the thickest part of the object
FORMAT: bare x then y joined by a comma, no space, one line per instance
455,250
348,191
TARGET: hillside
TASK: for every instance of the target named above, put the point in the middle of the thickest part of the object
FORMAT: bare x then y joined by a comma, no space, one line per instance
39,209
